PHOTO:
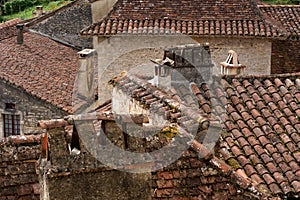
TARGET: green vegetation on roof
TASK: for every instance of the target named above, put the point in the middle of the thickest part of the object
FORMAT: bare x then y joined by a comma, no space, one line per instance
19,9
296,2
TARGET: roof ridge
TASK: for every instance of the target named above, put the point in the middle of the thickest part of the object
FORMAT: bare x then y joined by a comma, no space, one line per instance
168,99
261,76
50,14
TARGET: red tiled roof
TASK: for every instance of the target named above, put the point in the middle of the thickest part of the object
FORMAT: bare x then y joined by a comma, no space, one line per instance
10,22
287,15
42,67
8,29
233,18
260,141
263,125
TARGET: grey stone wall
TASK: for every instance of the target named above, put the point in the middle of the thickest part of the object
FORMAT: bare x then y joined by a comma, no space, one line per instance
255,54
84,177
31,109
66,24
18,161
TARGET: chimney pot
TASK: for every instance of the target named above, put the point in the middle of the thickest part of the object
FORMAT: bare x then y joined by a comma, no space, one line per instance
39,11
19,33
231,65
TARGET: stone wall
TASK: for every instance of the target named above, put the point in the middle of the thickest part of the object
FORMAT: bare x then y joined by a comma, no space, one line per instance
66,24
30,108
285,56
18,161
255,54
84,177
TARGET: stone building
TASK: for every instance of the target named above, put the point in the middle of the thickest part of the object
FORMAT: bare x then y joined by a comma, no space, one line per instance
255,157
266,37
35,75
255,154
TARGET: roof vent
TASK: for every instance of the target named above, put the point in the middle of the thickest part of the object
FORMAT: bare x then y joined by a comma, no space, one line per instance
231,65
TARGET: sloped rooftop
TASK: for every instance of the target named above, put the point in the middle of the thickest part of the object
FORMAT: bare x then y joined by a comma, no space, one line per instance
65,23
261,126
42,67
227,18
287,16
7,29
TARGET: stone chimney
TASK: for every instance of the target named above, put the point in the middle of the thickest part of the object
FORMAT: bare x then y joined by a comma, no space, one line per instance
87,65
38,12
231,65
20,33
182,65
192,63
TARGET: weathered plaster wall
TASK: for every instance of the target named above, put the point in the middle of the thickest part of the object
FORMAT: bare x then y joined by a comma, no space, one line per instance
285,56
31,109
18,161
100,185
130,53
101,9
255,54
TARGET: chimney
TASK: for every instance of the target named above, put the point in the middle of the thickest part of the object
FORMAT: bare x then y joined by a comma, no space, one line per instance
38,12
19,33
192,63
182,65
85,79
231,65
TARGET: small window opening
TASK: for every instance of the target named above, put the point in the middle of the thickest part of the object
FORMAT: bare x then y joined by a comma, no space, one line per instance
11,124
10,106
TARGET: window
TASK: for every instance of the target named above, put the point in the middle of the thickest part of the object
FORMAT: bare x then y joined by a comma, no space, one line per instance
11,124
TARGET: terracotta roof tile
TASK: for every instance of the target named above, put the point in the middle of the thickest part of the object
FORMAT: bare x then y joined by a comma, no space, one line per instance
260,138
266,134
285,16
42,67
231,18
8,29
